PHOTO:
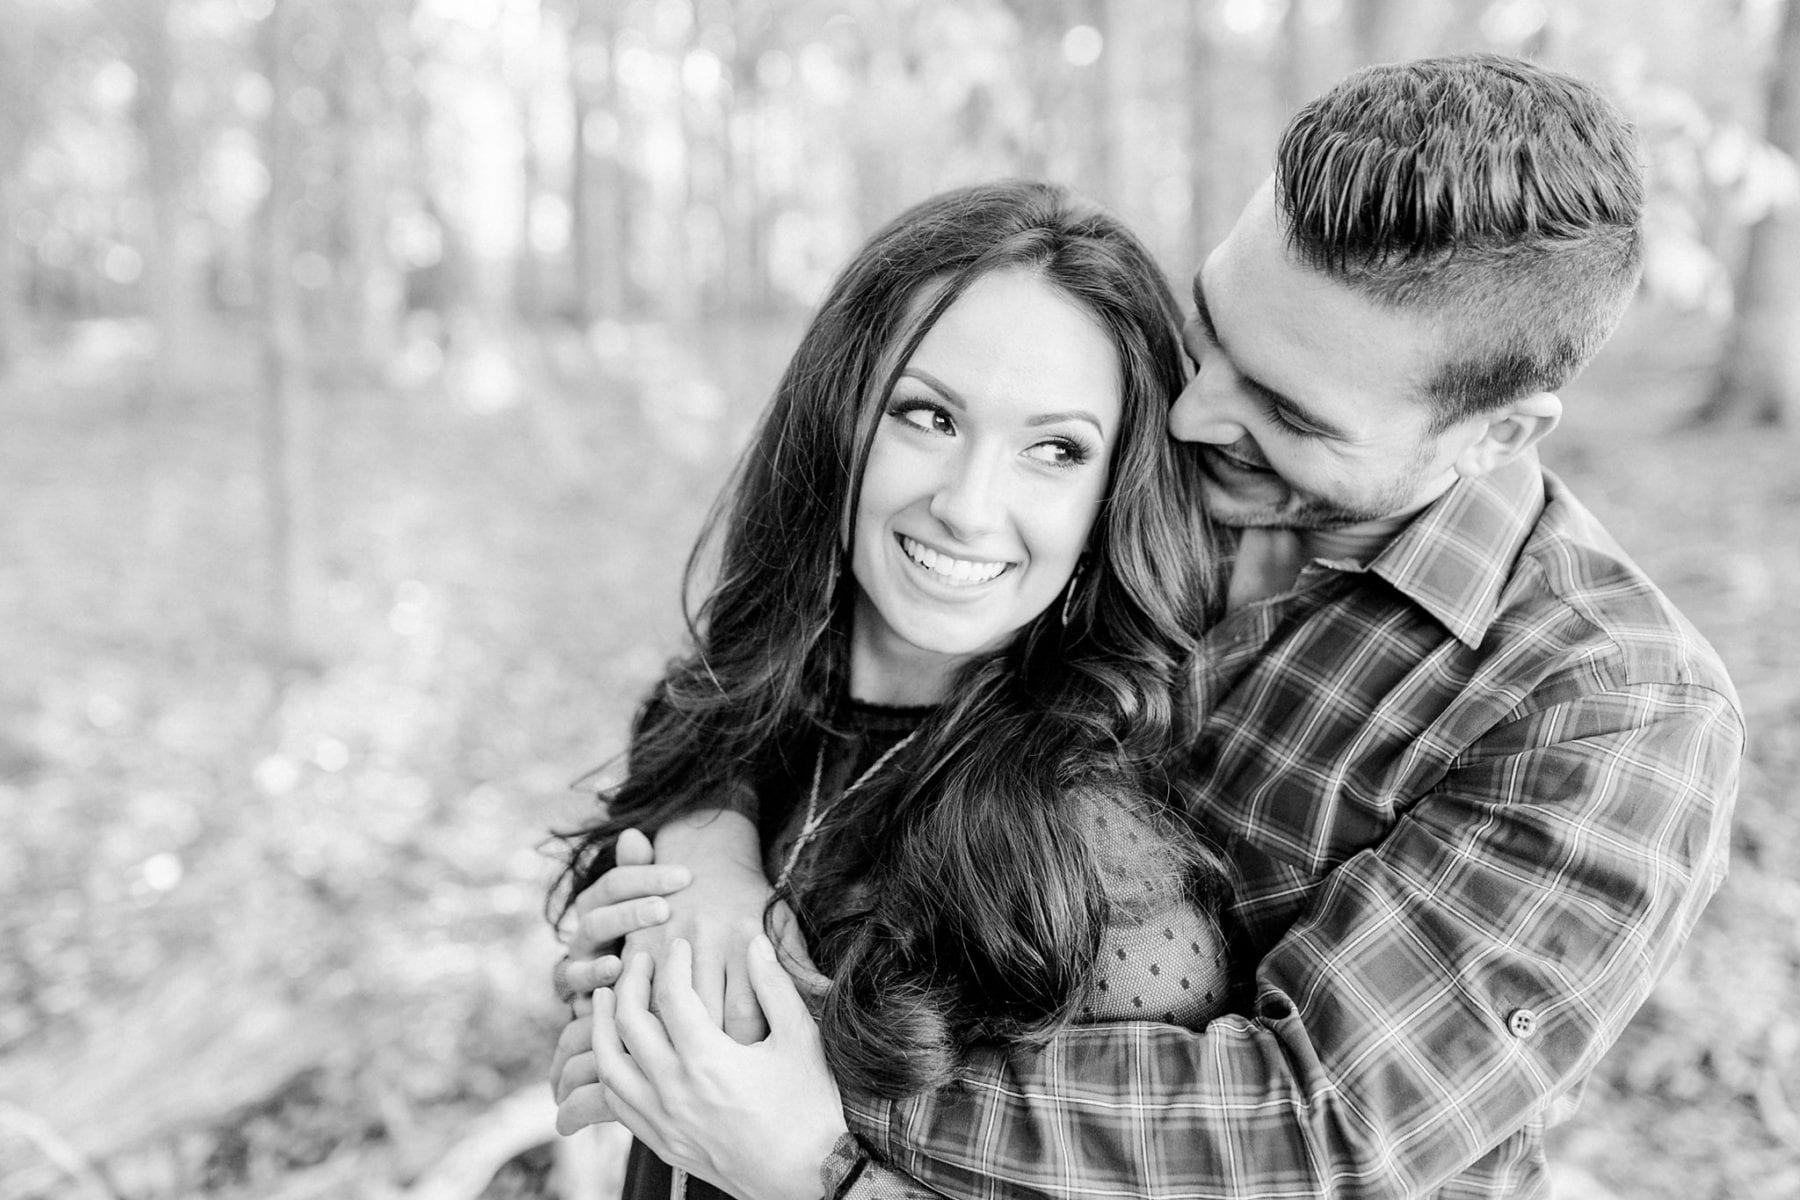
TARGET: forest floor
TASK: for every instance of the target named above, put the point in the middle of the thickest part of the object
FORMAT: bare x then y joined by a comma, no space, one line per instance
276,931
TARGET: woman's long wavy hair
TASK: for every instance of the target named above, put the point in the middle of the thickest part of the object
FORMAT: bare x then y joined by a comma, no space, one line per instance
957,899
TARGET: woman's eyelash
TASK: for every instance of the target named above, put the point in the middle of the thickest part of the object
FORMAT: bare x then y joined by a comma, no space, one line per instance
904,408
1075,449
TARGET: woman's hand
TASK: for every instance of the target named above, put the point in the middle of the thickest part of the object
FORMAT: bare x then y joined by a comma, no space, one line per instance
717,915
634,896
756,1120
710,892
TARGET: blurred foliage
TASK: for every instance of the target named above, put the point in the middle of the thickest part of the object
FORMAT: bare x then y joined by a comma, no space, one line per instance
271,885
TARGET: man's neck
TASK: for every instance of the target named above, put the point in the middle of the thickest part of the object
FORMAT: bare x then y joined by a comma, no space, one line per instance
1358,543
1269,561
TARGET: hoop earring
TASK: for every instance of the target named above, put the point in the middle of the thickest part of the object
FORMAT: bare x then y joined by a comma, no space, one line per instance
1069,593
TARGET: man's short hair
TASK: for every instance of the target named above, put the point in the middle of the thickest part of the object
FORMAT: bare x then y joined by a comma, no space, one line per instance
1500,197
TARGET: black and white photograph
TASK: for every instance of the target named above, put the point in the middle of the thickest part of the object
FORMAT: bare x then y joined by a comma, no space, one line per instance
899,599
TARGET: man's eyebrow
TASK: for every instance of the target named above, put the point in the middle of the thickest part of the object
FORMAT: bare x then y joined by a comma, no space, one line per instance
1286,406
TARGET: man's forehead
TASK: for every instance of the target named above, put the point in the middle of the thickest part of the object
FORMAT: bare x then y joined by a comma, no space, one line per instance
1310,344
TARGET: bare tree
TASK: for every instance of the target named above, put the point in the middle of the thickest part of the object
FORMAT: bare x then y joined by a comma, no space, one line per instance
600,210
171,285
1758,378
285,435
26,44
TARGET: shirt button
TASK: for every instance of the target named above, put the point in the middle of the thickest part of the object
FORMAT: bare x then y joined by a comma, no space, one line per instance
1521,1022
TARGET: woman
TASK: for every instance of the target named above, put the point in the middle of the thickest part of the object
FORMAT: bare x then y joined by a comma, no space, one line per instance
960,572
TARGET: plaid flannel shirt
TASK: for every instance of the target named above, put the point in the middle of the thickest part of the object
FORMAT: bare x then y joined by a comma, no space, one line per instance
1477,792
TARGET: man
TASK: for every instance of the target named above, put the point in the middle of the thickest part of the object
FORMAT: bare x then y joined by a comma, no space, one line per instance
1474,771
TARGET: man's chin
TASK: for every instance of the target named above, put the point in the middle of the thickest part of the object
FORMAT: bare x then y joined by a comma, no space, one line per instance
1229,507
1232,511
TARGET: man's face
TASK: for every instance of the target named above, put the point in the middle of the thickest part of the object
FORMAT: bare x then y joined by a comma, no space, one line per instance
1308,403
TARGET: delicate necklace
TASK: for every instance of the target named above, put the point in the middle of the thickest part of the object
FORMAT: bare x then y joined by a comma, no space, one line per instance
815,818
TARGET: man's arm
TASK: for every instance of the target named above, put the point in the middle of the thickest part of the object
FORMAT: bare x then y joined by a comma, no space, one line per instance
1444,988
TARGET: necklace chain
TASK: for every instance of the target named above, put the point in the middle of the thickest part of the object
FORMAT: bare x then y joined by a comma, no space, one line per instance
814,817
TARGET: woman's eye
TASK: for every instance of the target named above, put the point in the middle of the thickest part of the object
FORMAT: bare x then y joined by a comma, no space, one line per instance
922,416
1059,452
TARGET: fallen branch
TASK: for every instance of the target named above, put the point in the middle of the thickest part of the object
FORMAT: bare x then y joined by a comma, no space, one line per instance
183,1056
62,1156
590,1165
525,1119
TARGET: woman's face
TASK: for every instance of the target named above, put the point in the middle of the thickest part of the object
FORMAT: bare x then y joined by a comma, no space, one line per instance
987,471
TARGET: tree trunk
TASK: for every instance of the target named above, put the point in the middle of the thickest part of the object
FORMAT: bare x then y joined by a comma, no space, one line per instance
529,287
1758,378
18,90
285,440
12,280
1212,189
600,209
366,292
169,286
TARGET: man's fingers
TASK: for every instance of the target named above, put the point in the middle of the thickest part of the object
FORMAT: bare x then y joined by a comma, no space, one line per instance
684,1019
709,974
585,1106
586,975
781,1002
638,1028
632,882
744,1022
633,849
577,1073
577,1037
610,922
618,1073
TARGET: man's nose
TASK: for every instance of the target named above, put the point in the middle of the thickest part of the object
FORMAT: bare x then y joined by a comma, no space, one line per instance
1203,412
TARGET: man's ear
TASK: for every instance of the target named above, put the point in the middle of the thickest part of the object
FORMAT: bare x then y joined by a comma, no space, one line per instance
1509,433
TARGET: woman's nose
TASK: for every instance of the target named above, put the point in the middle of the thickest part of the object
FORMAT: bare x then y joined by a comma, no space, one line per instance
970,499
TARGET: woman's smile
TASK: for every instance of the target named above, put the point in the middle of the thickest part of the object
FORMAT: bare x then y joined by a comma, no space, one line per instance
948,568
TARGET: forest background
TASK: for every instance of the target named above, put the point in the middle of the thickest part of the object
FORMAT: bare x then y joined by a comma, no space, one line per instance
366,368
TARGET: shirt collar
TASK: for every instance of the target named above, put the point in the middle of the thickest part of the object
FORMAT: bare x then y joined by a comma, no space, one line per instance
1456,556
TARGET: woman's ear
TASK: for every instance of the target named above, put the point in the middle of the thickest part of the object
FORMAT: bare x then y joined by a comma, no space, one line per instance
1509,433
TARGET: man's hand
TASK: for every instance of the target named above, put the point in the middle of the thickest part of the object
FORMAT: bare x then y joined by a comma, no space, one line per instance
755,1120
622,901
628,898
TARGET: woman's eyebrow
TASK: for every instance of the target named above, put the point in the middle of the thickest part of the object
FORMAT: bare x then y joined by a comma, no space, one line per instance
948,393
956,401
1072,414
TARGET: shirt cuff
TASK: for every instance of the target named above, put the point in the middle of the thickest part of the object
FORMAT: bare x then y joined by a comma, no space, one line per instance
843,1166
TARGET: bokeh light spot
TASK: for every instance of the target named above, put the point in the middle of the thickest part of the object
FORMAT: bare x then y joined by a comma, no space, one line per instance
1082,46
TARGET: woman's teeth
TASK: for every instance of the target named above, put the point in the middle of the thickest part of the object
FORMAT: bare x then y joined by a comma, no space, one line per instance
954,570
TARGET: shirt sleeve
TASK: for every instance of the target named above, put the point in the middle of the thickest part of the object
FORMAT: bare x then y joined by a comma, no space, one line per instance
848,1173
1443,989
